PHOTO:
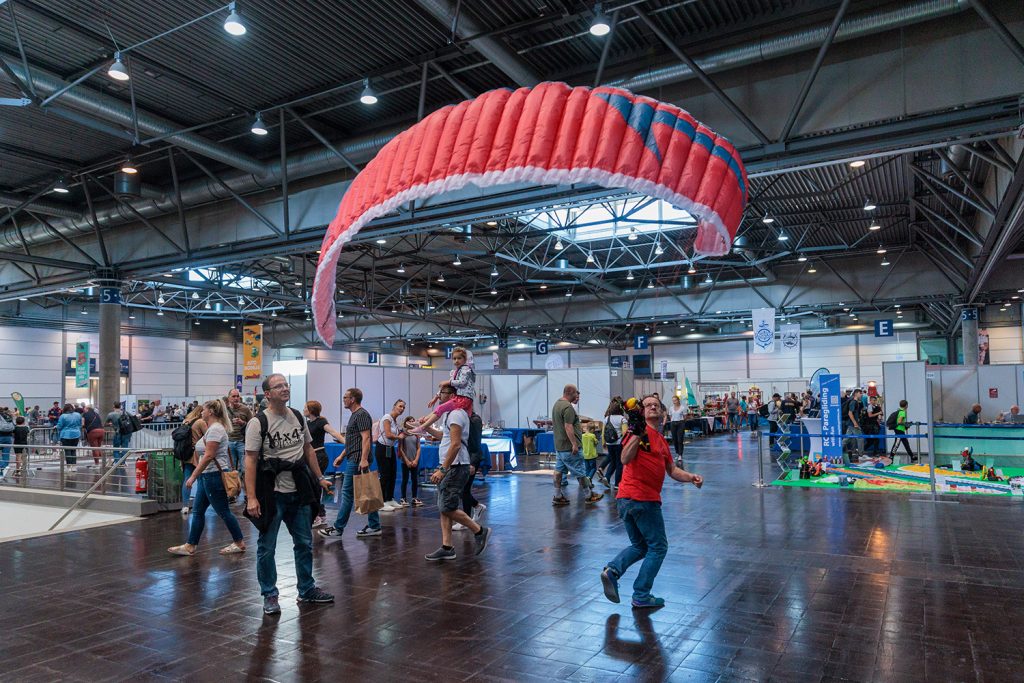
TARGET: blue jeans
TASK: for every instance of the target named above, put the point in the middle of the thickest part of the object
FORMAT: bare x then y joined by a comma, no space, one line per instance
299,522
646,530
5,452
210,492
121,441
237,451
186,492
590,466
349,469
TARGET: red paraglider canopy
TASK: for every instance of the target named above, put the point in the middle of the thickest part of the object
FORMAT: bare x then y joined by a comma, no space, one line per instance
550,134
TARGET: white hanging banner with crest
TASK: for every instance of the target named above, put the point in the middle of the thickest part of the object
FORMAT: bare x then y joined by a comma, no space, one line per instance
764,330
790,338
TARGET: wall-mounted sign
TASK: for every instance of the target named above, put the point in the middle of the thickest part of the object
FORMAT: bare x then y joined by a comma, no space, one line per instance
542,348
372,358
883,328
993,392
640,342
448,352
110,295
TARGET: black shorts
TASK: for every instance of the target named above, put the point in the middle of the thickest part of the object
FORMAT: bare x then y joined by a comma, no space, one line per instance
449,491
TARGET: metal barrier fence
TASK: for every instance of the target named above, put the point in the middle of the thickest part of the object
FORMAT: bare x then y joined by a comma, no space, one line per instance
78,468
151,436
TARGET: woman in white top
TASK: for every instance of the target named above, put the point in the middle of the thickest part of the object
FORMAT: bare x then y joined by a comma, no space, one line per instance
384,453
677,425
214,457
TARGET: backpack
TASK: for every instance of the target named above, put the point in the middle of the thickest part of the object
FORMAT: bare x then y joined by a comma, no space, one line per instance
6,424
763,410
136,423
611,434
376,431
183,446
890,422
125,424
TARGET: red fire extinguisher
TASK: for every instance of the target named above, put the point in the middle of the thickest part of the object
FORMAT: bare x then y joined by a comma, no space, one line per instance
141,474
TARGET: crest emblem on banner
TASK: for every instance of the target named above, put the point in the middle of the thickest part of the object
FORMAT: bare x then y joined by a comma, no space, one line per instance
790,337
765,335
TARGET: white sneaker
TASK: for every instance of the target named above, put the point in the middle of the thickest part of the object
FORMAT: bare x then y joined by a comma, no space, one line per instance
403,503
184,512
459,527
478,512
389,506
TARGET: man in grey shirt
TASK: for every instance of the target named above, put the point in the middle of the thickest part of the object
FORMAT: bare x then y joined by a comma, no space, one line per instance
732,409
451,478
568,441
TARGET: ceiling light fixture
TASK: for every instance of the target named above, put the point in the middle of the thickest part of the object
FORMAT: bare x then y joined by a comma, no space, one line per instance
650,285
223,320
258,127
84,312
117,70
128,166
440,278
457,261
812,269
658,251
195,296
234,24
885,262
160,300
568,293
708,279
869,205
692,270
492,223
207,305
60,187
131,316
783,237
632,235
381,240
159,312
558,245
601,25
874,226
522,298
196,323
368,96
881,249
801,258
493,290
543,286
629,275
273,314
401,268
494,271
767,218
857,163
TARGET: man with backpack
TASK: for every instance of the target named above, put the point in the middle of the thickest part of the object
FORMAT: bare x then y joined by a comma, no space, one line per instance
897,422
121,422
853,416
284,484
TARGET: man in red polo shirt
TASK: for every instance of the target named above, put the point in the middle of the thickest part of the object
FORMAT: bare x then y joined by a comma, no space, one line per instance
639,501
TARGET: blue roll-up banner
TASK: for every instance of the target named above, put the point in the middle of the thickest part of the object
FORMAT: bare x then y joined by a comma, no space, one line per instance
831,419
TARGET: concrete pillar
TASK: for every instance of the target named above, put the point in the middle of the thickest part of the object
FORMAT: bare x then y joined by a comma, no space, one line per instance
109,355
501,355
969,330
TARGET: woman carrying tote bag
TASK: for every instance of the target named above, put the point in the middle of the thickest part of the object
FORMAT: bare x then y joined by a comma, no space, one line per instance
215,471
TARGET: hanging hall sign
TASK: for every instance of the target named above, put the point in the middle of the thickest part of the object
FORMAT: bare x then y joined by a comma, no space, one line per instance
790,338
252,351
81,364
764,330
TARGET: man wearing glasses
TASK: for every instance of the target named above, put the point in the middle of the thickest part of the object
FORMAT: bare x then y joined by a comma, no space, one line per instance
568,439
639,504
284,482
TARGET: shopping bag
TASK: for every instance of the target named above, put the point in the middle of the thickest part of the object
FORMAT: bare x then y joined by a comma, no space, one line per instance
366,487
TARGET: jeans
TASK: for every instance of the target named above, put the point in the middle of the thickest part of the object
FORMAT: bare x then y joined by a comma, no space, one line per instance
300,525
186,491
210,492
5,451
614,466
349,468
853,445
410,474
121,441
590,467
734,421
236,449
754,418
646,530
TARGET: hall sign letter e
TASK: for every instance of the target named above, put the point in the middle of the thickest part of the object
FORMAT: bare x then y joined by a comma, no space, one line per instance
883,328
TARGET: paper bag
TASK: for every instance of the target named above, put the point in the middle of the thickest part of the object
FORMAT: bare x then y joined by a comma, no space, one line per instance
366,487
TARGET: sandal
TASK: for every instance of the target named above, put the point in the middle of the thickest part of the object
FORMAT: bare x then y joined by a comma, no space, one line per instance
232,549
181,550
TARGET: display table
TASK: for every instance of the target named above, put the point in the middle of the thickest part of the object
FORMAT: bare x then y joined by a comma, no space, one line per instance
999,445
546,442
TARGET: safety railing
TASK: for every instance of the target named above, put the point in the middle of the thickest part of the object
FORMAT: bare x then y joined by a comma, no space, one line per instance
78,468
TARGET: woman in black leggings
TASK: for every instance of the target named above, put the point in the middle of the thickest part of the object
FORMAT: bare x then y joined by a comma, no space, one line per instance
614,416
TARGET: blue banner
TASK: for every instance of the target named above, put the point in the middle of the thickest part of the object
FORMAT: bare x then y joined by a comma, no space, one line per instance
831,419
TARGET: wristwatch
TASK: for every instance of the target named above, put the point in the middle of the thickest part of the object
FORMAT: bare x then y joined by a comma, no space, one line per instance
323,478
444,470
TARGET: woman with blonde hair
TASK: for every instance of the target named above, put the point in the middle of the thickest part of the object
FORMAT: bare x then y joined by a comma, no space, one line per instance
210,492
197,425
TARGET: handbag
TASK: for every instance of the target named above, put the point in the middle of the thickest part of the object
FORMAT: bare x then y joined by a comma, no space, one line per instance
367,491
231,479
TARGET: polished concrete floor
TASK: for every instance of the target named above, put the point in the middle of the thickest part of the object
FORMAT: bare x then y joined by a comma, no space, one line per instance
779,584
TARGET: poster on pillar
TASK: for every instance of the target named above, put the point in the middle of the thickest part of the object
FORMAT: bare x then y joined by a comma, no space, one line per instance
764,330
983,354
81,364
252,351
790,338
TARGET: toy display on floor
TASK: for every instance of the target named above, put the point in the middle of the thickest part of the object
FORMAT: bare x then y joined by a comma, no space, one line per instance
964,475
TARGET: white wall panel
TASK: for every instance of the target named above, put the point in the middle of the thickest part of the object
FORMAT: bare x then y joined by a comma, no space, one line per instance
370,379
1004,345
32,362
838,354
158,366
557,379
504,400
323,384
394,360
682,360
532,391
421,390
1001,378
723,361
877,350
211,368
959,386
588,358
778,365
594,391
519,361
396,386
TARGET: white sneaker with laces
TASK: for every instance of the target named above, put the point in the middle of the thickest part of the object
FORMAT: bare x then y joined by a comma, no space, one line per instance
184,511
478,512
459,527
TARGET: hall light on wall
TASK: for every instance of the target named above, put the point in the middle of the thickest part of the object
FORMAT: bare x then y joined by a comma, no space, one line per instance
368,96
869,205
234,24
258,127
117,70
601,25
